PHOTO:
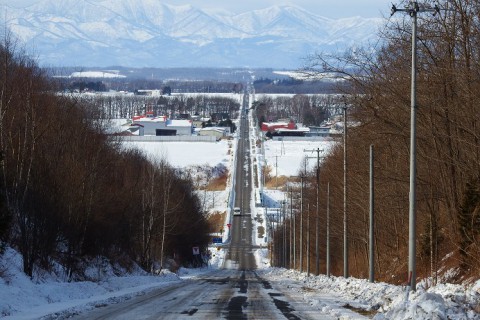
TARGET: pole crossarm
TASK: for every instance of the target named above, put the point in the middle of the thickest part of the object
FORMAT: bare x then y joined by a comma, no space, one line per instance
414,8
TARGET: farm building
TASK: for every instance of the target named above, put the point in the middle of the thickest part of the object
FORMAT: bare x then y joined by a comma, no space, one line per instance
272,126
162,126
218,132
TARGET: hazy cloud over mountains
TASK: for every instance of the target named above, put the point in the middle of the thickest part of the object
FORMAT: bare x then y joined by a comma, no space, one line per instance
141,33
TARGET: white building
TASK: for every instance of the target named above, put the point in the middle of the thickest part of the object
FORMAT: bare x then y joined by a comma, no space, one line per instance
162,126
217,132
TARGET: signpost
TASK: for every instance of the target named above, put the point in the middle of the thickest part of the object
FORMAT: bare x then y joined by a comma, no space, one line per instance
196,251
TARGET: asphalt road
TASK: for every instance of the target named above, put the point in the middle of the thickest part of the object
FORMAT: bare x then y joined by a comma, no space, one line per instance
235,292
240,254
225,294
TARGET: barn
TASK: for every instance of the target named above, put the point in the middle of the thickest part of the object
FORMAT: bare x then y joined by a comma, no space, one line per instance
162,126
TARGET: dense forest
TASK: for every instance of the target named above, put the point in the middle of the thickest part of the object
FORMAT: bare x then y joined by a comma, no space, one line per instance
309,110
70,193
296,86
448,151
79,84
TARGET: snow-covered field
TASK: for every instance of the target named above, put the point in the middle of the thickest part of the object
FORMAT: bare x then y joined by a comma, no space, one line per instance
49,296
286,158
185,154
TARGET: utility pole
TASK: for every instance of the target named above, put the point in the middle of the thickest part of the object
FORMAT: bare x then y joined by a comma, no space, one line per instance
308,240
276,172
272,232
294,232
345,217
284,234
290,237
371,240
317,212
328,231
413,9
301,225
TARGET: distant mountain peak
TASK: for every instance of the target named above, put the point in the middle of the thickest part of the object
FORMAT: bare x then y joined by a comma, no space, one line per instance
142,33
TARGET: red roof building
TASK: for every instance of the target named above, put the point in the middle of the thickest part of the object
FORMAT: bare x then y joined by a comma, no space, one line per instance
272,126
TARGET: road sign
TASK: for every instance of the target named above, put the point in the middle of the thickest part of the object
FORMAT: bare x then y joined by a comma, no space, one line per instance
229,225
196,251
217,240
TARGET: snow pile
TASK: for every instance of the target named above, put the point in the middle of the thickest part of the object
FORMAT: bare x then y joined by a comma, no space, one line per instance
47,294
444,301
262,258
384,301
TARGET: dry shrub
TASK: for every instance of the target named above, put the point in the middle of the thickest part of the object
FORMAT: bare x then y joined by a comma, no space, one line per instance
276,182
219,183
261,231
215,220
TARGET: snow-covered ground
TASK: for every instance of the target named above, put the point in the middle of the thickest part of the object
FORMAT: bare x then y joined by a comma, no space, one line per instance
185,154
381,301
48,296
97,74
286,158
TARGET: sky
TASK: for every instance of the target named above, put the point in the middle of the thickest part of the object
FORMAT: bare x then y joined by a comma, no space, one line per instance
327,8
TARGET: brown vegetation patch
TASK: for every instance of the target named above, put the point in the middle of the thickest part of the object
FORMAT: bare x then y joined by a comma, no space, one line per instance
276,182
219,183
260,231
216,221
361,311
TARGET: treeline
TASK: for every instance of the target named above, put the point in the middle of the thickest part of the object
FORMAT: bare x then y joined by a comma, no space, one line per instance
126,106
70,193
310,110
291,85
448,151
80,86
131,85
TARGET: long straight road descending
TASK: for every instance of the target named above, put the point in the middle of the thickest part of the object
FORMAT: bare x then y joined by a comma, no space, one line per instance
234,292
240,252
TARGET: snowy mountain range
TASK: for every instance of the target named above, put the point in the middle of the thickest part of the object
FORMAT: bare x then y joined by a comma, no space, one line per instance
148,33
